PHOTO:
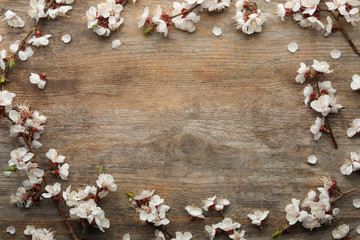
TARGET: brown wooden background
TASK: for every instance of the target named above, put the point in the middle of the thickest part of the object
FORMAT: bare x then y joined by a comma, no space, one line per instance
191,115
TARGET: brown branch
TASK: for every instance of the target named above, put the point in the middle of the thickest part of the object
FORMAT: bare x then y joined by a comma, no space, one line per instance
343,194
328,126
185,12
336,18
167,231
56,202
22,44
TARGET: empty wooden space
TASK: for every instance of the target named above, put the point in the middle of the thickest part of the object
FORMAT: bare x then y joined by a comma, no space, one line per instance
190,115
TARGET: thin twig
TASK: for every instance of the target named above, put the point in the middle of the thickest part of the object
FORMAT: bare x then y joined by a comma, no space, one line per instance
185,12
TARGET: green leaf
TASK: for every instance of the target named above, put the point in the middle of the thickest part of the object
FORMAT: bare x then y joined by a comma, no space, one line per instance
147,31
2,80
101,169
130,194
11,63
95,27
11,169
276,235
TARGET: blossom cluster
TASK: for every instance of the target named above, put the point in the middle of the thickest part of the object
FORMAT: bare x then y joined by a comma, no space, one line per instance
184,16
84,205
321,97
38,233
307,13
249,19
58,8
105,18
151,207
319,206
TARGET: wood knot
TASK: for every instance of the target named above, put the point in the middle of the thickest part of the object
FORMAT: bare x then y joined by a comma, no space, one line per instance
187,145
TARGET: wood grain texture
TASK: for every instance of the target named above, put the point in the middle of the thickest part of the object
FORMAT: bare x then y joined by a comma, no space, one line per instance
191,115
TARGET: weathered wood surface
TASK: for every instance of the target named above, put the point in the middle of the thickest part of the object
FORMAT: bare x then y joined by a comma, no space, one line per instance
191,115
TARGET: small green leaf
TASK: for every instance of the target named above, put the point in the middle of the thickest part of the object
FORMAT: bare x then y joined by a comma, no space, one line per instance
95,27
101,169
147,31
11,169
276,235
130,194
11,63
2,80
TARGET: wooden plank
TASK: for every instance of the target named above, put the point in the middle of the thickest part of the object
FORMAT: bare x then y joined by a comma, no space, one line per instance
191,115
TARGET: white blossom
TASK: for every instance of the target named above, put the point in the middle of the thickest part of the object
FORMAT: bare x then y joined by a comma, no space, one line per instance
161,25
37,9
228,224
215,5
54,157
341,231
58,11
258,217
21,198
321,66
13,20
351,165
238,235
24,53
221,203
322,105
194,212
144,17
36,79
102,222
182,236
86,210
354,129
63,171
144,194
318,128
211,231
293,213
281,12
3,59
52,190
106,183
71,198
355,84
39,40
20,157
300,78
329,26
209,203
159,235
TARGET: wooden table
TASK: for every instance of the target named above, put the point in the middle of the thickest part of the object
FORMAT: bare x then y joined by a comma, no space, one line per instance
190,115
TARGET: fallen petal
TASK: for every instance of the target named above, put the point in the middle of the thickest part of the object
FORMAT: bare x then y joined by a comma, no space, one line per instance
293,47
66,38
217,31
116,44
312,159
335,54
